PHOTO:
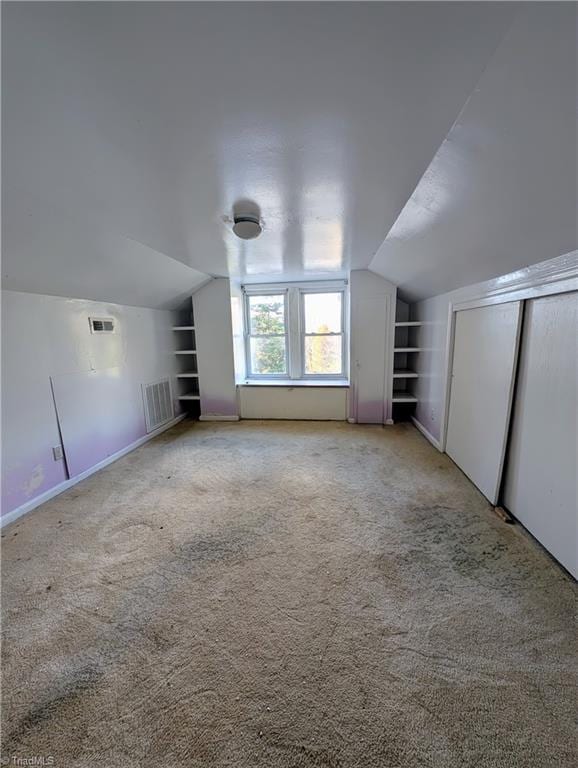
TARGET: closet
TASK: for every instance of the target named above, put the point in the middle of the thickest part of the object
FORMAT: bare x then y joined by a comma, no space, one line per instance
482,382
540,487
513,412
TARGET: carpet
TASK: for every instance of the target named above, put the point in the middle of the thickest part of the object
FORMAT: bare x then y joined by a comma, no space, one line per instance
284,595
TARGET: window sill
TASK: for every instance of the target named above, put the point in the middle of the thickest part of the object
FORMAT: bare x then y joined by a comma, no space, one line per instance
294,383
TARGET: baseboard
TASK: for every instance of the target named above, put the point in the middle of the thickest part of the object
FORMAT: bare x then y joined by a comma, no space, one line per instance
388,422
426,434
217,417
61,487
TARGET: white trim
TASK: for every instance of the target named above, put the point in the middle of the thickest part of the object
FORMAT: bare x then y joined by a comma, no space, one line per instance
217,417
511,392
314,285
247,335
61,487
302,332
293,295
389,358
295,359
544,275
293,383
450,331
428,436
520,294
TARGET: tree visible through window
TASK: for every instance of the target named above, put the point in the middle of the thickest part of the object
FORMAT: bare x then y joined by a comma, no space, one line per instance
295,334
323,333
267,335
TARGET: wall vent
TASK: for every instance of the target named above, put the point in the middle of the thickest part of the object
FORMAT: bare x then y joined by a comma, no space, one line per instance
158,404
101,324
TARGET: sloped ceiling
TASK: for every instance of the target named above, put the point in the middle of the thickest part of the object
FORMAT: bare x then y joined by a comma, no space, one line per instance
132,130
500,193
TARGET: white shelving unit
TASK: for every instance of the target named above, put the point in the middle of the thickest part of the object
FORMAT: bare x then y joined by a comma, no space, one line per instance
404,374
401,396
185,350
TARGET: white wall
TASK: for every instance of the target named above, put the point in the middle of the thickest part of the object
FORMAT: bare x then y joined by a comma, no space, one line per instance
48,336
372,301
277,402
432,364
238,331
215,356
218,320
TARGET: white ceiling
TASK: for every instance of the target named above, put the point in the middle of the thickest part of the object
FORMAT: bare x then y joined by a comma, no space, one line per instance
500,194
131,130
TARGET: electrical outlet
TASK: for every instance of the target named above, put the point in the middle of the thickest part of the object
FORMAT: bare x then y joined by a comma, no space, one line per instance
57,452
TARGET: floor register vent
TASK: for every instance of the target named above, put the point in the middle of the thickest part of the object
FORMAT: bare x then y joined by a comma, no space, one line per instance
158,404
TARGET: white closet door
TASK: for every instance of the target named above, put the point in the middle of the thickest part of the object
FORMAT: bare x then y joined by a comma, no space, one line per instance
540,483
485,352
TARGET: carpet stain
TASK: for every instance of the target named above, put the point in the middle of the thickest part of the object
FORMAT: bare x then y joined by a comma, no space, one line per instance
61,698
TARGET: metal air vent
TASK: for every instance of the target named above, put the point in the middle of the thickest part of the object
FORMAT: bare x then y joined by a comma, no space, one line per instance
101,324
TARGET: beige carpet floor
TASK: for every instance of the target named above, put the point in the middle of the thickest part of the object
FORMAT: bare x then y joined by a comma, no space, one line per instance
284,594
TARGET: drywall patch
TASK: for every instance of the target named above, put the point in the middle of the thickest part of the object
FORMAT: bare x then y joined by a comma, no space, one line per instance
35,481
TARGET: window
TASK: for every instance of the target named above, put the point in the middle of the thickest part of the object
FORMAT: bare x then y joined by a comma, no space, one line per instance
267,335
323,342
297,332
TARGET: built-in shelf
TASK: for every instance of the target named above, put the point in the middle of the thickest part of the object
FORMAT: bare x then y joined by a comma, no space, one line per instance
403,397
404,371
187,374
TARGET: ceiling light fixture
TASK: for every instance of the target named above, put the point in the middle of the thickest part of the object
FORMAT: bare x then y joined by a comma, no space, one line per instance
247,227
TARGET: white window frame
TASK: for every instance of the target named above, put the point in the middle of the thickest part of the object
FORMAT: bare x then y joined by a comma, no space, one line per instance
295,328
248,335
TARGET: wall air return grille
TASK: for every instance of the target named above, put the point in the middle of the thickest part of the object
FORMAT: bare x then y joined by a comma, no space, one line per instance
158,404
101,324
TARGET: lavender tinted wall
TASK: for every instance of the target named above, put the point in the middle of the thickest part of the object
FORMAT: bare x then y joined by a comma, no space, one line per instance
214,335
48,336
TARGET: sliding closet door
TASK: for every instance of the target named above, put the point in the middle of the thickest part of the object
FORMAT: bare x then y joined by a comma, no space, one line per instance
540,487
484,361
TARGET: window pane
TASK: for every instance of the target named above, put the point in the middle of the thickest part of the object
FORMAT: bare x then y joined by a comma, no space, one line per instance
322,312
267,314
323,354
268,355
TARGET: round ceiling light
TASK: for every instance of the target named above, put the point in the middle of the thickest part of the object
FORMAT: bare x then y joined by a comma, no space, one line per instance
247,227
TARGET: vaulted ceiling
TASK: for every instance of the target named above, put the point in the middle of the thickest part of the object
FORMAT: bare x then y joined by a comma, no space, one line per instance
133,131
